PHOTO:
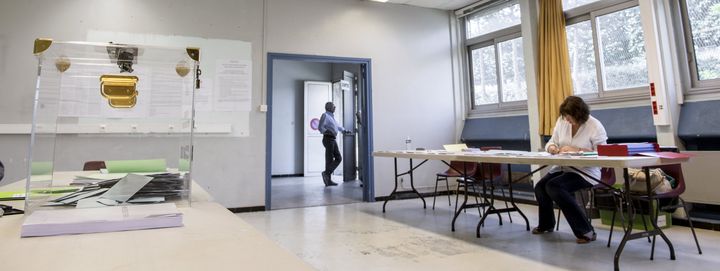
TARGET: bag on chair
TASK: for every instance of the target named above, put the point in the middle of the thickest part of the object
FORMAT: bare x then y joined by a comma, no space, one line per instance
659,181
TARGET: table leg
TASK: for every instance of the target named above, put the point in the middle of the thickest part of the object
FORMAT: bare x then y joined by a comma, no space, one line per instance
514,208
396,185
395,192
465,198
631,218
512,198
412,185
656,230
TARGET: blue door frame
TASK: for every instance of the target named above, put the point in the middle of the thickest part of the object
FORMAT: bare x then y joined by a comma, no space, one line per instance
367,171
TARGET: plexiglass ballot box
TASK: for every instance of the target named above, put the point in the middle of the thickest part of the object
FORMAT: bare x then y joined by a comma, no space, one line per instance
113,120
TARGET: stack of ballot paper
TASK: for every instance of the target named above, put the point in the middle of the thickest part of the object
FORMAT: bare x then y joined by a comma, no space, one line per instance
108,219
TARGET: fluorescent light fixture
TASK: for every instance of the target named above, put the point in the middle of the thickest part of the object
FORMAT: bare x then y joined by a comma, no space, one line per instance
381,1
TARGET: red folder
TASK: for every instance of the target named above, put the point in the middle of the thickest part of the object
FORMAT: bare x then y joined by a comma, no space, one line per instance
619,149
612,150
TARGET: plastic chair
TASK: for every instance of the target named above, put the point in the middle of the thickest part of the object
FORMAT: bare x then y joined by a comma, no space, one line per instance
488,172
93,165
452,173
492,176
667,201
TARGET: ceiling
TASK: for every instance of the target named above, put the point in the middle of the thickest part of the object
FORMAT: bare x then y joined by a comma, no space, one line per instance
438,4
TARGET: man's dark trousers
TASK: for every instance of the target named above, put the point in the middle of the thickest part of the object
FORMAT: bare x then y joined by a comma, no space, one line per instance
332,153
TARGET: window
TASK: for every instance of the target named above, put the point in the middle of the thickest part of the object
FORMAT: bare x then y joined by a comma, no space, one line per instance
484,75
495,55
607,50
622,49
492,19
582,57
570,4
702,30
512,70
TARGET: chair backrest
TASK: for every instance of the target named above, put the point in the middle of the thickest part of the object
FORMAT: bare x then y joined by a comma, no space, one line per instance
93,165
674,171
607,176
457,167
489,170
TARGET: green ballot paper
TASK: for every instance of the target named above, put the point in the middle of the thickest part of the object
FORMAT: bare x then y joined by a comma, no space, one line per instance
127,166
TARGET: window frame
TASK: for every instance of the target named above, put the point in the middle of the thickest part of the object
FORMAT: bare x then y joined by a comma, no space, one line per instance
490,39
696,86
591,12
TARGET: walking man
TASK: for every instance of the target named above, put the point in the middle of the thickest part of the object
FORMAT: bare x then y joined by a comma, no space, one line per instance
330,128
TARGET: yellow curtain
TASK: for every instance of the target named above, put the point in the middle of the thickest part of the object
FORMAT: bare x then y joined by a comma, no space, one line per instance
554,82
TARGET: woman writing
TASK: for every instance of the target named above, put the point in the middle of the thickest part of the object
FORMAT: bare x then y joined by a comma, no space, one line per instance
575,131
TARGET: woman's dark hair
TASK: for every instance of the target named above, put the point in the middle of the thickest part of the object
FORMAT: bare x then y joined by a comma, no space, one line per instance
575,107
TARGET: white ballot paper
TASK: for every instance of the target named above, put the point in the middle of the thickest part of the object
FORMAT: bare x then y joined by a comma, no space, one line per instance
106,219
124,189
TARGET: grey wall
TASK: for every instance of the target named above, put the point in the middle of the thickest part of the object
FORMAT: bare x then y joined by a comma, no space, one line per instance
288,111
409,48
339,68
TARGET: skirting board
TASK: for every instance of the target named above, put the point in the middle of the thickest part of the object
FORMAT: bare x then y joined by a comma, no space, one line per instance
247,209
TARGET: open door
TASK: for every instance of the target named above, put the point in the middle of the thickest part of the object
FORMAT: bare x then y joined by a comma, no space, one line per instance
316,95
355,103
348,86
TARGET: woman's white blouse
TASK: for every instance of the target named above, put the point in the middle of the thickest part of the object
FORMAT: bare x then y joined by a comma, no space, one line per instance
588,136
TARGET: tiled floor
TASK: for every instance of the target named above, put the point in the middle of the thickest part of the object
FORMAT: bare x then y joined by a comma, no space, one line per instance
297,192
360,237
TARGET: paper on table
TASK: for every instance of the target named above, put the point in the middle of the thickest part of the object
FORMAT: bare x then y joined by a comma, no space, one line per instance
147,200
93,202
102,176
16,195
90,220
89,203
124,189
669,155
81,195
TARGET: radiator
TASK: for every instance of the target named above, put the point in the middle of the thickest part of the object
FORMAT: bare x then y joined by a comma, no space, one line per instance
702,177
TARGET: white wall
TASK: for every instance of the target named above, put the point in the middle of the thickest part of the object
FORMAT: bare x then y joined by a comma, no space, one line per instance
409,47
288,111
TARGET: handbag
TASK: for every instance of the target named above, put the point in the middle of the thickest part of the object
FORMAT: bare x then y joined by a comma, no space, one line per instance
659,181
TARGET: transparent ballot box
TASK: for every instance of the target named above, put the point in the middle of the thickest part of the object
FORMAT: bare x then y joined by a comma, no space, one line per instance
112,125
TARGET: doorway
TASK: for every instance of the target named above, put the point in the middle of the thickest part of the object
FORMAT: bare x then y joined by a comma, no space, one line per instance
291,136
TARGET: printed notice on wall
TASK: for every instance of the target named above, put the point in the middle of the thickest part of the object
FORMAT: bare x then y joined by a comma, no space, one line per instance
233,85
203,96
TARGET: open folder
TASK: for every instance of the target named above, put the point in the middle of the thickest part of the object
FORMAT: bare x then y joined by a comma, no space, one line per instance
455,147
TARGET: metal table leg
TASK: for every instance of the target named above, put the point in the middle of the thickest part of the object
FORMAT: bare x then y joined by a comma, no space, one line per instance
395,191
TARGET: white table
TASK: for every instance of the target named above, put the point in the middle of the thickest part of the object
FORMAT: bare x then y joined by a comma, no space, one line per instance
212,239
508,158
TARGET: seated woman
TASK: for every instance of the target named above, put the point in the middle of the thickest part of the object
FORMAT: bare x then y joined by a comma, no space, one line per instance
575,130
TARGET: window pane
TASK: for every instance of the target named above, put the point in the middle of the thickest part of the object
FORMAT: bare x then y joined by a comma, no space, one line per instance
568,4
484,76
492,19
704,16
512,70
582,58
622,49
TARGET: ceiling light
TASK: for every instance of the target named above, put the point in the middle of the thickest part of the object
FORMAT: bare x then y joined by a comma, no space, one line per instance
381,1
